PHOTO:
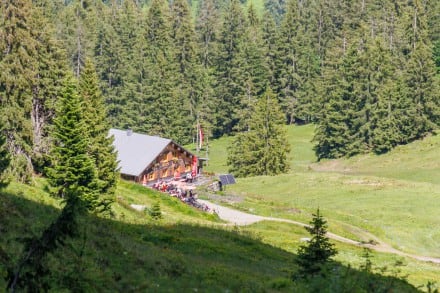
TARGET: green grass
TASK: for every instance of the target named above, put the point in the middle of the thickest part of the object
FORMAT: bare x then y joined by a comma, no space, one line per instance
392,196
188,250
191,250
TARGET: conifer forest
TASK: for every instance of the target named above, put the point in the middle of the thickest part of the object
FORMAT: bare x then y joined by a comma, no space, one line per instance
365,72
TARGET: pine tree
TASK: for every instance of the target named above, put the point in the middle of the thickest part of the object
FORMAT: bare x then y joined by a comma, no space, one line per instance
4,160
51,68
78,24
155,211
419,73
312,256
337,133
297,65
263,149
276,8
18,72
229,74
72,172
207,26
165,110
269,31
100,146
254,69
191,84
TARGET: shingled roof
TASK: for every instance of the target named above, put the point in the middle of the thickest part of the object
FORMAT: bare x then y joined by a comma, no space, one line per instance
136,151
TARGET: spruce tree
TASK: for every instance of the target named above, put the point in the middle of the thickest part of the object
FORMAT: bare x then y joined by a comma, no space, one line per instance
5,159
276,8
191,79
297,65
164,108
229,74
207,27
336,134
312,256
269,31
155,212
263,149
18,72
72,172
253,71
51,68
100,146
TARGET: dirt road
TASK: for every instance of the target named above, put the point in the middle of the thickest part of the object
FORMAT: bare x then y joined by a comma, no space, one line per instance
241,218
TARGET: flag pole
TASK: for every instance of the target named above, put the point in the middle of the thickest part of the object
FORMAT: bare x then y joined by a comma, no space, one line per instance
198,135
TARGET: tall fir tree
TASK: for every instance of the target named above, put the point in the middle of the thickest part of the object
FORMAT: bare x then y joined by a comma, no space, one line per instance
254,69
297,65
72,172
229,70
191,83
269,31
276,8
337,133
51,68
78,28
5,160
100,146
263,149
422,86
207,26
18,73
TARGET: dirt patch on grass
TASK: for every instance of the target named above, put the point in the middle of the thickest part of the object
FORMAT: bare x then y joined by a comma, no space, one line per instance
293,211
227,198
364,182
330,166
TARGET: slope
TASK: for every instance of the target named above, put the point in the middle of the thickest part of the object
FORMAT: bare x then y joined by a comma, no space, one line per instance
188,250
388,196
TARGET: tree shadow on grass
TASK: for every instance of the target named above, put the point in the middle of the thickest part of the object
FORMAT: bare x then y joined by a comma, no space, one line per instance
116,256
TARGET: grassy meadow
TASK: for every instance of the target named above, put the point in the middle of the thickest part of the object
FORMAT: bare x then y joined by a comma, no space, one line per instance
192,250
392,197
187,250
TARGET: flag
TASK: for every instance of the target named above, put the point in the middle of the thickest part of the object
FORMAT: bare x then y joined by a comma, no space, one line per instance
200,137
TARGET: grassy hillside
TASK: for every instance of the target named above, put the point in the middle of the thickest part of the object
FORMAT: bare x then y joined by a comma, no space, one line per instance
194,251
188,250
390,196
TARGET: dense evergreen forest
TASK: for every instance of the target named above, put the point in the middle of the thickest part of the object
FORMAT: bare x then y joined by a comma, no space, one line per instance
366,72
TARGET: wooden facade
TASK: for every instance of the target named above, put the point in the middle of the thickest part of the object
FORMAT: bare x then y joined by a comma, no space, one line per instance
173,161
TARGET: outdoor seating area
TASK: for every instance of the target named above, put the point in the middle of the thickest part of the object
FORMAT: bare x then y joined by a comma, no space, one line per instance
183,189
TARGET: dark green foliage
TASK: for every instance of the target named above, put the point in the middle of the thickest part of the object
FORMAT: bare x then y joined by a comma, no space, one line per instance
297,65
318,251
18,72
72,172
276,8
51,69
100,146
436,53
5,159
263,149
155,212
229,86
162,66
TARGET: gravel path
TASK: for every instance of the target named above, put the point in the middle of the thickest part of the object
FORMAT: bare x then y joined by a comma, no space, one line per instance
241,218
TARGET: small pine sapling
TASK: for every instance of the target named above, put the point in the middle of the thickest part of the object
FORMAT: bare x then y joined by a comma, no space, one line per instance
155,212
317,252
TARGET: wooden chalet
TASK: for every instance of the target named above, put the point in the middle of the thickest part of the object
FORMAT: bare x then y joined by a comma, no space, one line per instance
146,159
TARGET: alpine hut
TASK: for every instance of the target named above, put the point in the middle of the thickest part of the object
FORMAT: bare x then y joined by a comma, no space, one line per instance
146,159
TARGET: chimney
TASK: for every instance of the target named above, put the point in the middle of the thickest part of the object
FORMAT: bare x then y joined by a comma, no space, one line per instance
129,132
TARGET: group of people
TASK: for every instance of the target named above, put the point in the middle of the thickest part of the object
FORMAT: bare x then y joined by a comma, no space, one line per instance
186,195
